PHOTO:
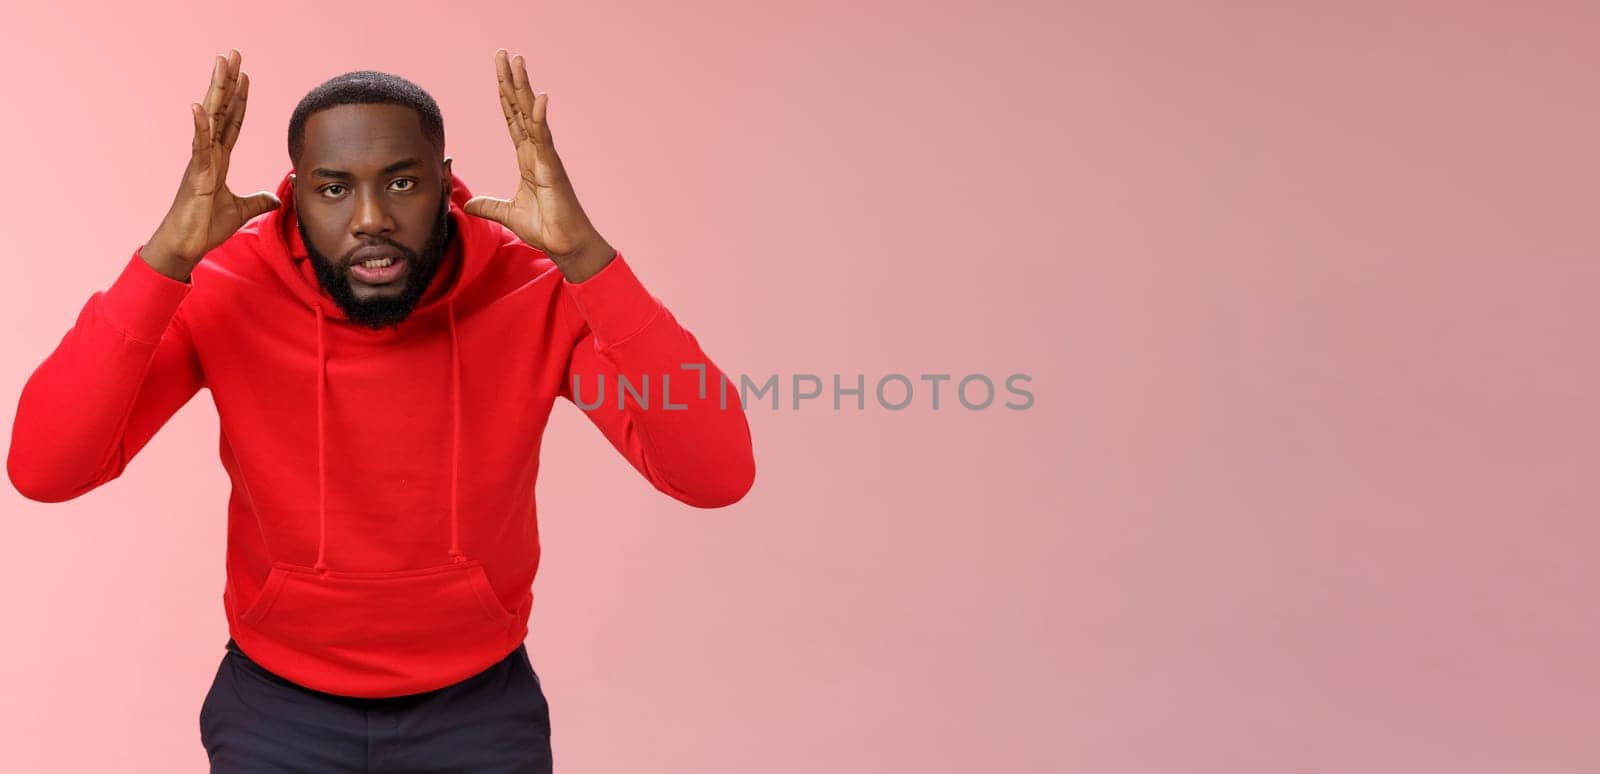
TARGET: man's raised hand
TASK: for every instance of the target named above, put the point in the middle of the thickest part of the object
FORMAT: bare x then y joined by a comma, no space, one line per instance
544,212
205,213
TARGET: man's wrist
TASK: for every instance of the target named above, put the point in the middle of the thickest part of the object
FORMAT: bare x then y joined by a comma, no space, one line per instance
586,261
165,262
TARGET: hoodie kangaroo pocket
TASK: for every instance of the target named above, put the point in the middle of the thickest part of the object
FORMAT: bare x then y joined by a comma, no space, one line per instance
358,633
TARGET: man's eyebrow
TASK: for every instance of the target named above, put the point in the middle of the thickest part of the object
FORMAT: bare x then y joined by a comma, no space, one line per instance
338,174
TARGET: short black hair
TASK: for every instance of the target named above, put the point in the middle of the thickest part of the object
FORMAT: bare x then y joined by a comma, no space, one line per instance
366,87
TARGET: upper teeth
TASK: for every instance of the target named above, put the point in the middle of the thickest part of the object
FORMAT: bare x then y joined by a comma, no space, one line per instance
377,263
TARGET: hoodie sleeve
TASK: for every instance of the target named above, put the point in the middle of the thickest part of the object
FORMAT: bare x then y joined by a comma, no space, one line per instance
646,383
122,370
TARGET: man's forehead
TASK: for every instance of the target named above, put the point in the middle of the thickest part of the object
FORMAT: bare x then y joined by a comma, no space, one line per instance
363,137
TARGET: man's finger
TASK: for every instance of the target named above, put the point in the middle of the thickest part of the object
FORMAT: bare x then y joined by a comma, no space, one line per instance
502,75
222,77
202,128
523,94
214,92
498,210
516,119
514,126
541,127
230,88
235,120
502,70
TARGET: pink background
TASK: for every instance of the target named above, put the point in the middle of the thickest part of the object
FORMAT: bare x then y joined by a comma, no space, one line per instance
1306,291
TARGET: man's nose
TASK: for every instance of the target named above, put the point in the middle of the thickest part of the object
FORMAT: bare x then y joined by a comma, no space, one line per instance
371,217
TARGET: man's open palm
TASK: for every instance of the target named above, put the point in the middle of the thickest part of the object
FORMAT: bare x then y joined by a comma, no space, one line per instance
544,212
205,213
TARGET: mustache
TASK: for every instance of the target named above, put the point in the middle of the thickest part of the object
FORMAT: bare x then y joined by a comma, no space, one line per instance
442,231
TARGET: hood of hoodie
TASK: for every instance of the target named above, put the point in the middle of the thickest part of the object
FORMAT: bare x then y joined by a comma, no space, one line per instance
473,245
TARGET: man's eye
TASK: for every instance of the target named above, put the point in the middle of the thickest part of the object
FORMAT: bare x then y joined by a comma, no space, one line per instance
329,189
408,181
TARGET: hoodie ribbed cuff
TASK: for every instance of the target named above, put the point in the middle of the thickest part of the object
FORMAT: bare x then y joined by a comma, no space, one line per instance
614,303
142,301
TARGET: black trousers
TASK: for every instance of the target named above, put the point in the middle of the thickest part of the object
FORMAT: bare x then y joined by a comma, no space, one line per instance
495,722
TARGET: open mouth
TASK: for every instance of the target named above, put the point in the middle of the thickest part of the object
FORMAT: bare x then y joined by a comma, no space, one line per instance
379,270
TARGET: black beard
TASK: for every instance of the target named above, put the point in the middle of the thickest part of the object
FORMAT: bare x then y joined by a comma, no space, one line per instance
378,313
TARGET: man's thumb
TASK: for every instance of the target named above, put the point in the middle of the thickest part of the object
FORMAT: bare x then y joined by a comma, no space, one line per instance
497,210
257,203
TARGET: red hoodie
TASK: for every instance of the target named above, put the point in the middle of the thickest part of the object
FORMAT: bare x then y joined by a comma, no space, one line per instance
382,533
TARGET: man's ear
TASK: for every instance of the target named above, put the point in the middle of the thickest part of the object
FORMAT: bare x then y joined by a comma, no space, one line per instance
449,178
